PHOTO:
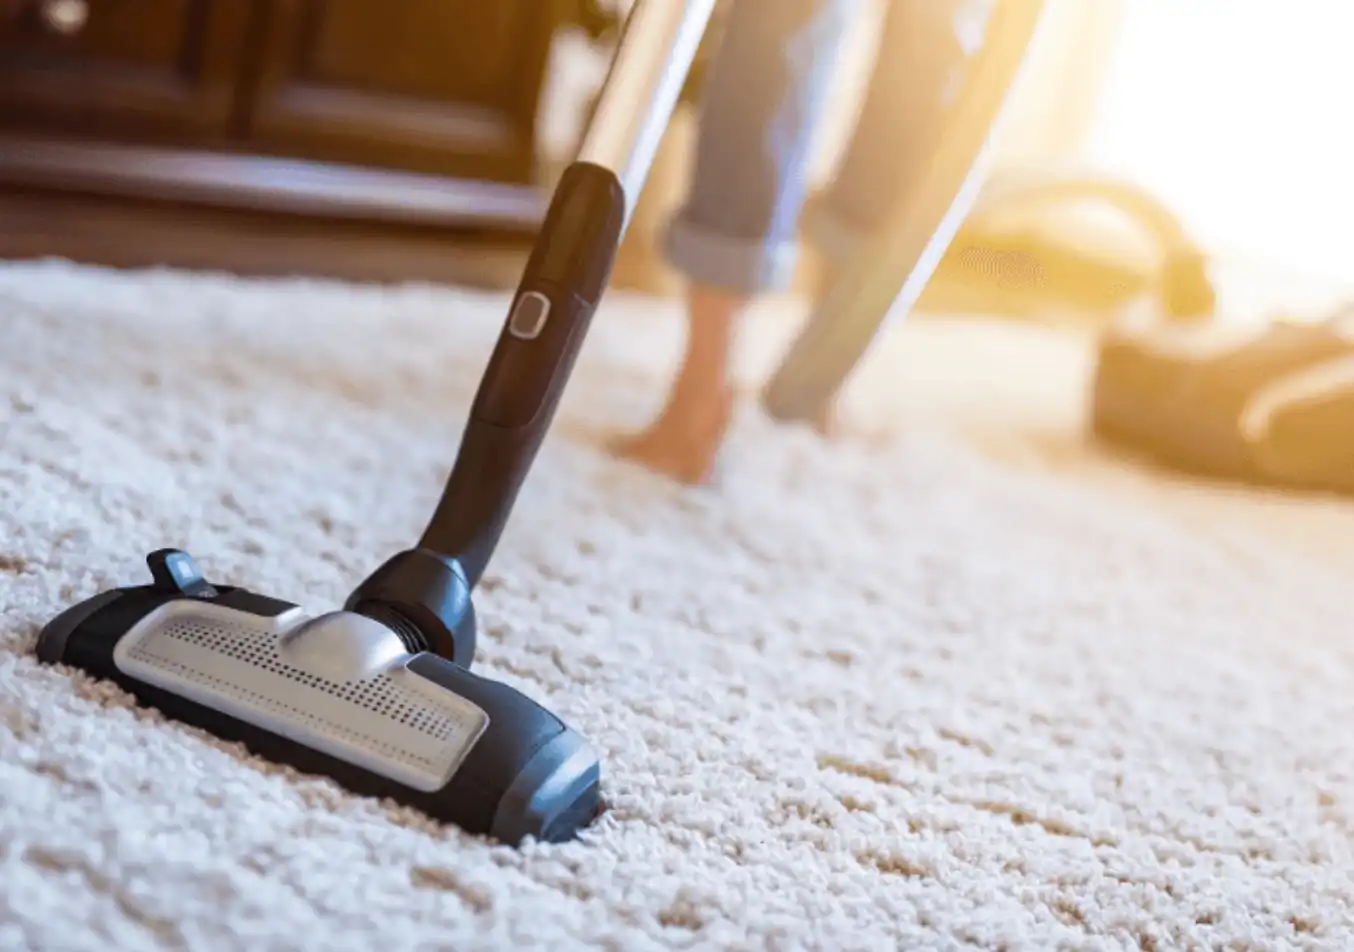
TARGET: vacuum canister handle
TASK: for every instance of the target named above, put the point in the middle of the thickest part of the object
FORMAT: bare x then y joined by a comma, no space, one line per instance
564,279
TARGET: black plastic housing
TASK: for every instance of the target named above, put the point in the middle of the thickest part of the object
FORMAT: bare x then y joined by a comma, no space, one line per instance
425,599
529,775
569,267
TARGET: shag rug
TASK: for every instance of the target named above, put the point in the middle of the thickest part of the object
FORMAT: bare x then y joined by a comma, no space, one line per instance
957,680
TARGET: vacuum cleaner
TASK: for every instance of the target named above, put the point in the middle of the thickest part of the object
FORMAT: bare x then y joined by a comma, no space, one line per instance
907,248
379,695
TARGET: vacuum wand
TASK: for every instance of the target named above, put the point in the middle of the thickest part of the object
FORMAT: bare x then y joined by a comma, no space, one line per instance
903,253
564,279
379,695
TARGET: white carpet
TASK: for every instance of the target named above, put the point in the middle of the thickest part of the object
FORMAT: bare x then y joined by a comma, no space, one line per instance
956,682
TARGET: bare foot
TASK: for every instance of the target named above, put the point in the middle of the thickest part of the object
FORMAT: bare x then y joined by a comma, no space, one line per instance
683,443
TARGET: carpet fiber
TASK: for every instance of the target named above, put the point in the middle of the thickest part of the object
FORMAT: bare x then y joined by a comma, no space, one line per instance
957,681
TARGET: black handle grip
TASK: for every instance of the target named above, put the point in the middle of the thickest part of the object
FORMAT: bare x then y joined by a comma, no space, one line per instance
564,279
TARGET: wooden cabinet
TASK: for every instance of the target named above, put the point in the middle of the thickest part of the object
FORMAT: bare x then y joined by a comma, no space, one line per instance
411,111
439,86
164,70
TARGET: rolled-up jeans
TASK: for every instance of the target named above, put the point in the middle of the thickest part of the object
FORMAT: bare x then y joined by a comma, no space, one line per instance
768,82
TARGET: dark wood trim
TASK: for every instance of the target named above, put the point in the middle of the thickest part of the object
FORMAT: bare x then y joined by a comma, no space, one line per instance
295,186
122,233
51,85
485,134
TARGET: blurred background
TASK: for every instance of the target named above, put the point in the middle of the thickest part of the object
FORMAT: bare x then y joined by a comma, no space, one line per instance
1230,113
1235,113
418,139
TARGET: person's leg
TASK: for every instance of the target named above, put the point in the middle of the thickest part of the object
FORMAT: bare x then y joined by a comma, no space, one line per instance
923,47
736,234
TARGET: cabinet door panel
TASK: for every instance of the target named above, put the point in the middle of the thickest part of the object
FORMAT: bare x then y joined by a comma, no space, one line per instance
135,69
444,86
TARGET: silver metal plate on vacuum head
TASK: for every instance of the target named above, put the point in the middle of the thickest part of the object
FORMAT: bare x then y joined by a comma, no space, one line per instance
376,714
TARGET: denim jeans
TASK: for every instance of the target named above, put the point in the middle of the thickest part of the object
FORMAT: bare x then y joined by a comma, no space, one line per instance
768,82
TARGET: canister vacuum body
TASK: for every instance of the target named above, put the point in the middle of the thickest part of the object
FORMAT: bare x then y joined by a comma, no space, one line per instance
379,695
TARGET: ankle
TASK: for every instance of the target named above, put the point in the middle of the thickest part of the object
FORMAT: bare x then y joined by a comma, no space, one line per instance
721,304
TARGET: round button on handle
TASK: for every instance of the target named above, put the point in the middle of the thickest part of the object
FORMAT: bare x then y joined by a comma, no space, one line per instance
529,316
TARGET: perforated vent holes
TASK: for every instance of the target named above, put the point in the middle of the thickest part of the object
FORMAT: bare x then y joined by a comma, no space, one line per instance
378,722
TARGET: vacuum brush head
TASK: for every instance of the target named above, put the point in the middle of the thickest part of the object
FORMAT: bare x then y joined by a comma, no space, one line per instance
338,694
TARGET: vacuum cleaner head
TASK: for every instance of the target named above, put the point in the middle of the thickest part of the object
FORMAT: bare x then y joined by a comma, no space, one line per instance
379,696
341,694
